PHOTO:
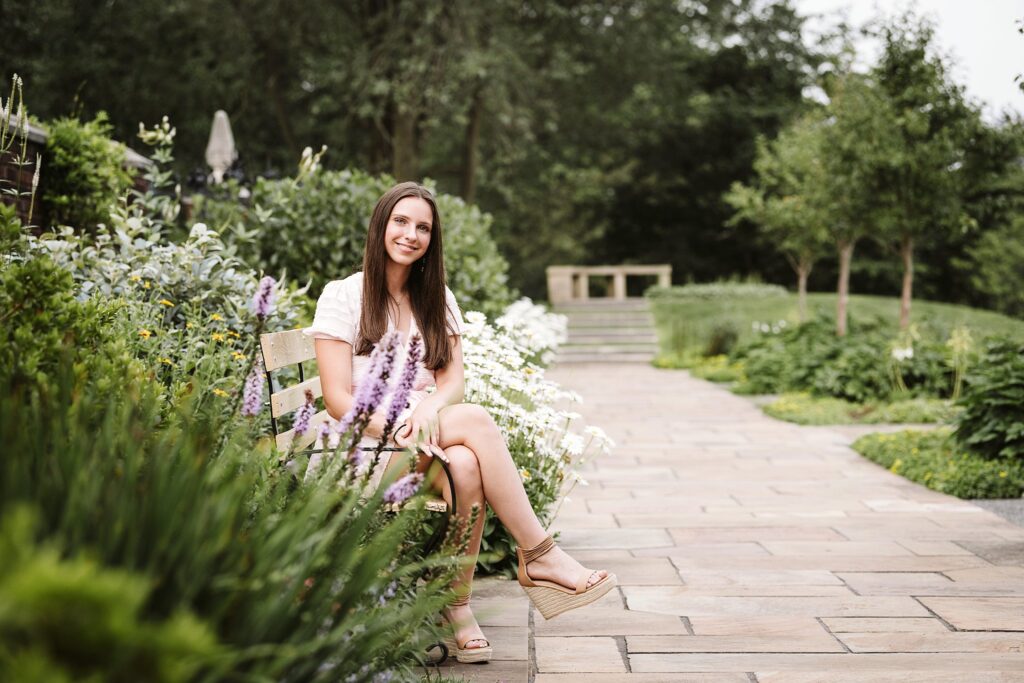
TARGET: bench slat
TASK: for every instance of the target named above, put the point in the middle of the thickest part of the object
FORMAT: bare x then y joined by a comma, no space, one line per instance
285,439
285,401
286,348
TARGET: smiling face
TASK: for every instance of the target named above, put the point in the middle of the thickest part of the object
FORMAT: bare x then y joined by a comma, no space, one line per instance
407,234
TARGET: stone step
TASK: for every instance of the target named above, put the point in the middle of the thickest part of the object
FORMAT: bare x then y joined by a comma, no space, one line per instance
570,349
626,319
595,305
641,358
611,344
612,337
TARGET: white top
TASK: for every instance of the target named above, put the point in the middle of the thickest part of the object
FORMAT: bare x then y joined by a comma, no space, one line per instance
337,317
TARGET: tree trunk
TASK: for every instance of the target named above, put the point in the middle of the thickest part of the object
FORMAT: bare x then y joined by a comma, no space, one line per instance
907,253
802,273
404,161
843,298
469,160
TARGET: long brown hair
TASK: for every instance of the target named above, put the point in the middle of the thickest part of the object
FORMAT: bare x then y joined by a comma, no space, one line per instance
425,285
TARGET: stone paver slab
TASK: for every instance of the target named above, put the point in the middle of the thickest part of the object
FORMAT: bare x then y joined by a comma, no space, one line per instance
923,547
674,600
979,613
863,664
997,552
491,672
756,533
615,538
578,655
925,583
821,642
743,577
645,678
766,589
605,620
949,641
708,625
859,548
884,624
917,676
838,563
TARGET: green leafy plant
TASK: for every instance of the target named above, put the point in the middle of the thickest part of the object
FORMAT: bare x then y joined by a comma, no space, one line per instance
802,408
62,619
934,459
86,175
992,422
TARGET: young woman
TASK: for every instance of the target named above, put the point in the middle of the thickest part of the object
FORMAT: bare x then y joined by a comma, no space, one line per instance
402,287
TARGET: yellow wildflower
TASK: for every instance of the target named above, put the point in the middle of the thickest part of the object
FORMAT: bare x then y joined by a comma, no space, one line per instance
145,334
238,355
1002,474
165,302
146,285
524,473
189,326
217,336
167,361
216,316
232,333
221,393
134,278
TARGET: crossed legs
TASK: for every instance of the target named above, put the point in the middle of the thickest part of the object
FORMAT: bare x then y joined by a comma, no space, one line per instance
483,471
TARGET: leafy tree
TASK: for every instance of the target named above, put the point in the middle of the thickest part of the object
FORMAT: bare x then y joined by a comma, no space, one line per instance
858,141
931,123
785,201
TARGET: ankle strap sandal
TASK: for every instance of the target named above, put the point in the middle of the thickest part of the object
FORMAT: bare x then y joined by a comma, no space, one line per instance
551,598
463,654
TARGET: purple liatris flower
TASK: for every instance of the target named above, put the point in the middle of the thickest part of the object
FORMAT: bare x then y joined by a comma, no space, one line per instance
374,386
304,414
252,394
400,491
263,299
400,399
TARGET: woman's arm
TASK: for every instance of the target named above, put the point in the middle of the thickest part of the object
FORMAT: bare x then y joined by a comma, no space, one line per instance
334,358
451,389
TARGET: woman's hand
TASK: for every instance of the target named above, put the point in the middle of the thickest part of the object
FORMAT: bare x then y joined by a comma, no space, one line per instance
422,428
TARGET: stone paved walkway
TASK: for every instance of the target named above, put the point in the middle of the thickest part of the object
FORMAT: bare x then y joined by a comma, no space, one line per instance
749,549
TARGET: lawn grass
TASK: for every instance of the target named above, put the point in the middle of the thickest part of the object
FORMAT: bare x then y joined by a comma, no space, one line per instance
685,324
932,458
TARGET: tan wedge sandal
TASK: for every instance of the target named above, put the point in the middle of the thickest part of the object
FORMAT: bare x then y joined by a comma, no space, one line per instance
462,654
551,598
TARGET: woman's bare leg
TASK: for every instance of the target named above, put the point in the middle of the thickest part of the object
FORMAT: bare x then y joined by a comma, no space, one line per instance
471,426
469,491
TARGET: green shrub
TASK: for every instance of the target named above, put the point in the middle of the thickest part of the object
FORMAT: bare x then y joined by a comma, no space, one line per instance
65,619
933,459
860,367
314,229
85,173
992,422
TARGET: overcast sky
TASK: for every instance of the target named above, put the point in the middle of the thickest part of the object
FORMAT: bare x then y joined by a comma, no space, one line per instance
981,35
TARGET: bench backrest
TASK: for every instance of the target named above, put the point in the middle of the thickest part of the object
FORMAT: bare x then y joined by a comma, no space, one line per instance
280,350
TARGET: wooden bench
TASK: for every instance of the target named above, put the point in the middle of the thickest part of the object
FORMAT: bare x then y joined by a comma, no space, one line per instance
285,349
